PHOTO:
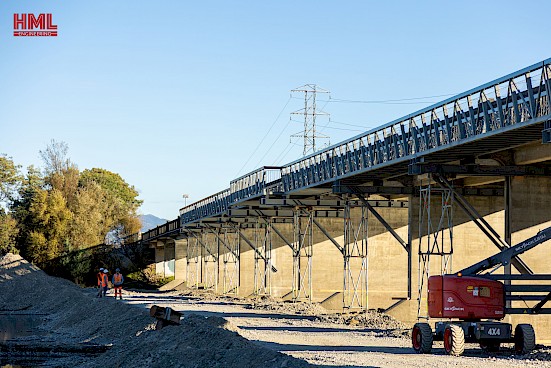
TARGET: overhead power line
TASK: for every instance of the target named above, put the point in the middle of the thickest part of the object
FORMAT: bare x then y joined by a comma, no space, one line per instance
263,138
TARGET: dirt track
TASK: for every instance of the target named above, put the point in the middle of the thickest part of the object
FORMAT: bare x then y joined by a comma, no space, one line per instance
70,327
324,343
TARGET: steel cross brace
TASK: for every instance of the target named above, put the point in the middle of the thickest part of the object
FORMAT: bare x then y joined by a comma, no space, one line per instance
262,274
213,280
302,249
230,279
196,254
355,256
482,224
253,247
437,243
387,226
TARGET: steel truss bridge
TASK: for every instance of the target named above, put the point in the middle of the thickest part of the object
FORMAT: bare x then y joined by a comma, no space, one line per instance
441,140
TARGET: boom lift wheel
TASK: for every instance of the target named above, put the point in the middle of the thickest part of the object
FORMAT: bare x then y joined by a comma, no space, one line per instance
421,337
454,340
525,338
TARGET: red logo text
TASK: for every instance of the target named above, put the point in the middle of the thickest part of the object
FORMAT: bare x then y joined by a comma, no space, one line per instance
33,25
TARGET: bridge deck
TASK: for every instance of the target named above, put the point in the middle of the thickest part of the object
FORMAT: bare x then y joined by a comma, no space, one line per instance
502,114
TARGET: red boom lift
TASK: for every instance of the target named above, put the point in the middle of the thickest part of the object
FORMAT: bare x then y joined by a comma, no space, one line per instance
476,302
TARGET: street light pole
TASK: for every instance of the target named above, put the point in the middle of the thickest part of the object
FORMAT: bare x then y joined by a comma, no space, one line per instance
185,197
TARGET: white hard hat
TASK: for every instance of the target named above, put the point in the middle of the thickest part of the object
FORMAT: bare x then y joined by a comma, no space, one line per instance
105,271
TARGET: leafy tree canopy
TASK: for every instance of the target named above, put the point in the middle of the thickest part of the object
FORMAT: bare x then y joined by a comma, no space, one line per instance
114,184
10,178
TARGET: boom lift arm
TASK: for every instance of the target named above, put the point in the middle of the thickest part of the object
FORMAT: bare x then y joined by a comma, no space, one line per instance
504,257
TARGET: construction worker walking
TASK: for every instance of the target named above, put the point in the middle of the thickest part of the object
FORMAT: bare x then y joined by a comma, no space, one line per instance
118,279
99,277
104,282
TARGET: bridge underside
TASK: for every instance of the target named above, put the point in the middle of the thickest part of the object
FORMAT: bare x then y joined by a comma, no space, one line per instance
363,225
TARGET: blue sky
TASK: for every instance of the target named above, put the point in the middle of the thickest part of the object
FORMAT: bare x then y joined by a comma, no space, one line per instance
176,96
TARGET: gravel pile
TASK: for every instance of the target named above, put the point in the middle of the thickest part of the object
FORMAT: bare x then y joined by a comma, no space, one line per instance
74,317
541,353
287,307
382,324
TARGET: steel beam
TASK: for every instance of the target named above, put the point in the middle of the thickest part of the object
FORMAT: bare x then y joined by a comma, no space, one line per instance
327,235
253,247
335,203
380,218
405,191
233,213
282,237
477,170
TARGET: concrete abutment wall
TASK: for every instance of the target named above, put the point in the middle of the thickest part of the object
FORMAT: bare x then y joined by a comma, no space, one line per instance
388,269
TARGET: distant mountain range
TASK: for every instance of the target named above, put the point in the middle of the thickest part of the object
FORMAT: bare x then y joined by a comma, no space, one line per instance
151,221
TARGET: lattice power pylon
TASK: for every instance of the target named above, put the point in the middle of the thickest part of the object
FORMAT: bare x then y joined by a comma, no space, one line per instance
435,237
310,112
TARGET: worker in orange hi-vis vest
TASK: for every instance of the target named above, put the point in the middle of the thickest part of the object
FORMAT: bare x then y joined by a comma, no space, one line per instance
99,277
118,279
104,282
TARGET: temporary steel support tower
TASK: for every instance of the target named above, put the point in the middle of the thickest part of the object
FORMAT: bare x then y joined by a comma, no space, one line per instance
435,239
262,257
194,261
355,252
303,246
231,241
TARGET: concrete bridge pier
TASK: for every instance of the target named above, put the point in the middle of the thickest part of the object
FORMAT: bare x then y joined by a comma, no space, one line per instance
164,257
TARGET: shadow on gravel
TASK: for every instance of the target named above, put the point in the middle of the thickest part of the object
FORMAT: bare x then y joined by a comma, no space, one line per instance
366,348
310,329
251,315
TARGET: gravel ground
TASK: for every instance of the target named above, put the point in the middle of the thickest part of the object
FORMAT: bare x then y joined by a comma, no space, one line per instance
331,340
76,329
79,330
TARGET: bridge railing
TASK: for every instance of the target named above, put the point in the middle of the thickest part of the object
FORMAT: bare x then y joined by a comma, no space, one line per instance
170,227
207,207
514,99
254,183
517,98
247,186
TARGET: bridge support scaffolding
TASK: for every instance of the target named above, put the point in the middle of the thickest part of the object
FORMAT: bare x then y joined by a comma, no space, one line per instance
194,261
229,239
355,255
303,246
263,257
435,236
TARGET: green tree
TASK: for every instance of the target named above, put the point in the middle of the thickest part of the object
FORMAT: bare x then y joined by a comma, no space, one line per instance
10,178
121,214
8,233
60,173
20,207
49,237
90,221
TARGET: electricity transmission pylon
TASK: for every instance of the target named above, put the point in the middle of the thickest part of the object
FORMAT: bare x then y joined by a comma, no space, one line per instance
309,112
